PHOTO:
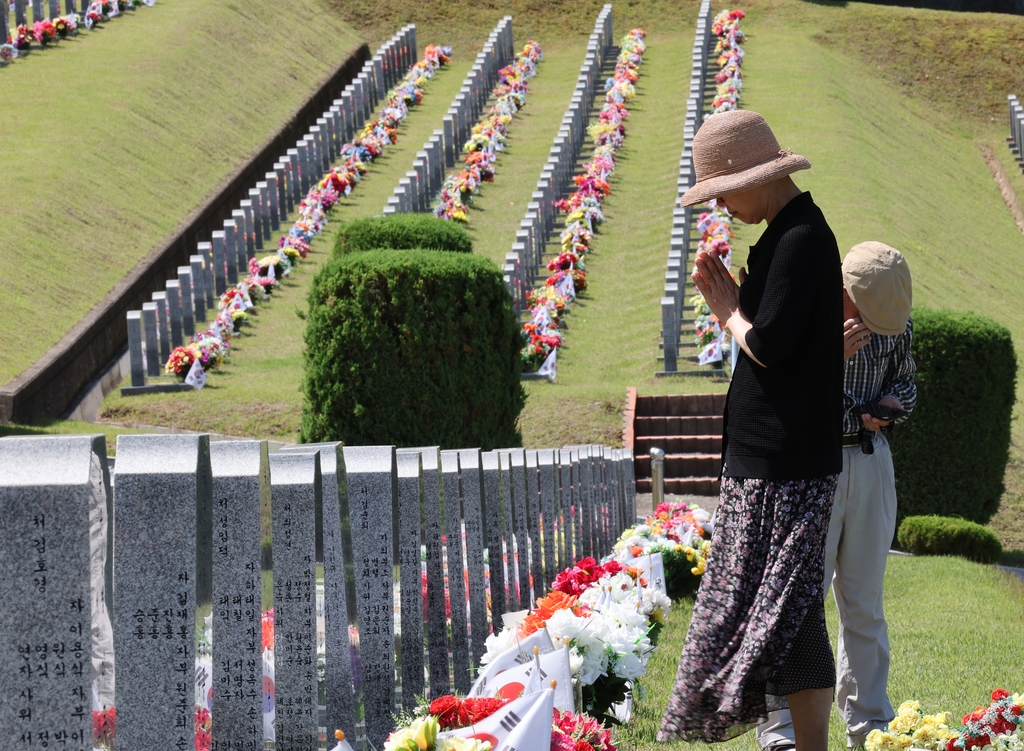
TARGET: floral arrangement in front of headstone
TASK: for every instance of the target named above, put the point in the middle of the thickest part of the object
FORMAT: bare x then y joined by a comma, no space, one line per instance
541,335
209,347
681,534
605,615
47,31
714,224
997,727
488,135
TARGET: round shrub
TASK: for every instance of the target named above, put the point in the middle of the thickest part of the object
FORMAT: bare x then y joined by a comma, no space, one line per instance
950,456
942,535
402,232
412,348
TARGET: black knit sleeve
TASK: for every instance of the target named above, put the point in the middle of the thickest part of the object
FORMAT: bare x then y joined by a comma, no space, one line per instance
793,281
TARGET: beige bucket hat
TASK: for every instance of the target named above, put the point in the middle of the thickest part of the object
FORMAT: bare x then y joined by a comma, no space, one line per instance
736,151
877,279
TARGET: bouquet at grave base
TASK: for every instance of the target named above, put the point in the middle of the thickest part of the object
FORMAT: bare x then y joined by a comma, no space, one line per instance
23,38
44,32
106,8
104,726
488,136
997,727
180,361
7,52
579,732
421,735
540,343
913,729
66,26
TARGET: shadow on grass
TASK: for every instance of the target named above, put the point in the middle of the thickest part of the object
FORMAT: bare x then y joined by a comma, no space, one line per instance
1013,558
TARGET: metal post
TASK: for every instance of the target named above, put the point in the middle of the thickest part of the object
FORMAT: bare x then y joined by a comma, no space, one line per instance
657,477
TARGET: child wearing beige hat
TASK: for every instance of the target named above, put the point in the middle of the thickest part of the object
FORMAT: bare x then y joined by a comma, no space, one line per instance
879,378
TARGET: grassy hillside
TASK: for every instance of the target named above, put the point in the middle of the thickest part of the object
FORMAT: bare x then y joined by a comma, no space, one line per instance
896,158
110,140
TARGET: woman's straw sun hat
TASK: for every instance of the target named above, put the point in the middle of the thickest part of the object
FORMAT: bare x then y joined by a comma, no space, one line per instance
736,151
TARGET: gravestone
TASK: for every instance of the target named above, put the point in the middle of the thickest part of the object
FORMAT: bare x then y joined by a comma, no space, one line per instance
234,245
372,490
546,473
152,347
410,502
198,291
205,251
263,225
54,491
495,520
473,514
135,348
162,562
433,530
160,300
174,311
37,10
533,524
241,487
295,497
567,503
302,152
290,180
456,565
273,199
521,511
219,243
339,589
185,285
19,13
280,170
253,242
585,499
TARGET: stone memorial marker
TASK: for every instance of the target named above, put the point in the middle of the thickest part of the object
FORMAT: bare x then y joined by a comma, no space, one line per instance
449,139
185,286
520,512
37,10
198,283
4,24
19,13
584,498
372,490
263,225
567,503
281,170
433,530
546,474
273,200
295,497
54,7
69,6
160,299
410,503
253,239
54,491
495,516
533,523
234,243
302,151
152,347
473,514
456,565
174,311
339,590
219,243
241,487
291,163
162,562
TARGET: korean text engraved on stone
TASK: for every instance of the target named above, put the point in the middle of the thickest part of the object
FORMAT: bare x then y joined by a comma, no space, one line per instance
54,625
295,496
455,571
546,467
520,512
339,589
241,487
410,532
533,523
433,530
471,482
162,560
494,527
372,490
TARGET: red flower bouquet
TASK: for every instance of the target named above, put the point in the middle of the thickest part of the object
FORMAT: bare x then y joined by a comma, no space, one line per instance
453,713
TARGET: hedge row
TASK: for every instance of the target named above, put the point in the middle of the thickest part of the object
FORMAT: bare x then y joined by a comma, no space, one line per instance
402,232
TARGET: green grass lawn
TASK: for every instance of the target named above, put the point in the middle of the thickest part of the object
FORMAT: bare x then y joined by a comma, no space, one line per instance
113,138
950,647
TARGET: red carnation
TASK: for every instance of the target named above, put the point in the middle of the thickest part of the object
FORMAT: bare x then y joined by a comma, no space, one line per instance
449,712
1000,693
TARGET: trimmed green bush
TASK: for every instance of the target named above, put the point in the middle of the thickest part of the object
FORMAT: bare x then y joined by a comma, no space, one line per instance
402,232
942,535
950,456
412,348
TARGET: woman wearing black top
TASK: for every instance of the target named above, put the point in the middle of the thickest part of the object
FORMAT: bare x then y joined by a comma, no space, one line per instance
757,638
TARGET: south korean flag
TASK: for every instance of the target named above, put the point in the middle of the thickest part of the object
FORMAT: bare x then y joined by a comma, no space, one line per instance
521,725
542,672
519,654
196,375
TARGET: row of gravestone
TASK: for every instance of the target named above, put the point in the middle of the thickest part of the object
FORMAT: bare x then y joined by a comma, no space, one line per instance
526,264
674,303
172,316
1016,139
417,189
38,13
188,522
